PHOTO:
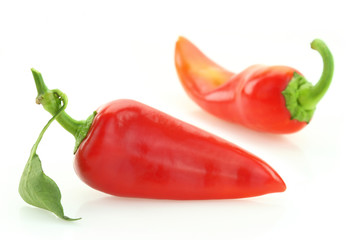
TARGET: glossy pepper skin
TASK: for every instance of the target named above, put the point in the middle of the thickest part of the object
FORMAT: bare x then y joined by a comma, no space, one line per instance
134,150
274,99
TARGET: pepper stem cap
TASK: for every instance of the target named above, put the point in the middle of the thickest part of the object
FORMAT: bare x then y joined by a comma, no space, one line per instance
300,95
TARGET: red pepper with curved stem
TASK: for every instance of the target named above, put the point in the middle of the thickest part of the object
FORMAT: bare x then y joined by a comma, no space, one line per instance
274,99
130,149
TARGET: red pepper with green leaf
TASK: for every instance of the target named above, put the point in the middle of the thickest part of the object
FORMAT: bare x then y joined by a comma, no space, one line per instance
127,148
274,99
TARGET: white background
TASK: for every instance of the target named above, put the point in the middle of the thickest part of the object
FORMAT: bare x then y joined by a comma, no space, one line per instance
98,51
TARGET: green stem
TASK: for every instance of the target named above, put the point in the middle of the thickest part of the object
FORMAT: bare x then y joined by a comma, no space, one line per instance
51,100
309,97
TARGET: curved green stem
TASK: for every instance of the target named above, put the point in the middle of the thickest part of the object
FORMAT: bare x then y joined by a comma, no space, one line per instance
51,100
309,97
300,95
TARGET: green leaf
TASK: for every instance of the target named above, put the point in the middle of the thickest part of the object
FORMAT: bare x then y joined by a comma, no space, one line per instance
36,188
39,190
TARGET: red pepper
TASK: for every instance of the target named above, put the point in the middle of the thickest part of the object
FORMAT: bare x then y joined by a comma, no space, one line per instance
275,99
129,149
134,150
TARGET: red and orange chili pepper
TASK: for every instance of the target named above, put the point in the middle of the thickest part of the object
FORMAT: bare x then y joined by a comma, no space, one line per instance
275,99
